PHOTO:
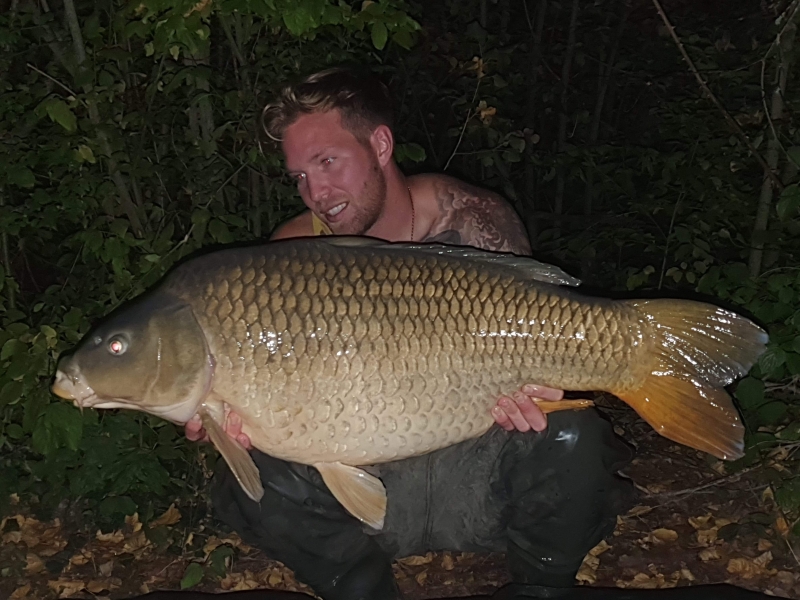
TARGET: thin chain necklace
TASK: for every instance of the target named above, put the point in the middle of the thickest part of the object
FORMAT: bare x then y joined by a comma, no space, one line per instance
411,198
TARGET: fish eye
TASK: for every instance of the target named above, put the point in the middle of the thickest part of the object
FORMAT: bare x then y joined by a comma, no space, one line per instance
117,346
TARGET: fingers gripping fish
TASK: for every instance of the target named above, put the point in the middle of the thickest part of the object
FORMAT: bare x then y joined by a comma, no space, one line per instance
346,352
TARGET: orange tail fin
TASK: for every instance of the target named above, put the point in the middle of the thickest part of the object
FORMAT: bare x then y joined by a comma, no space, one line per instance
699,349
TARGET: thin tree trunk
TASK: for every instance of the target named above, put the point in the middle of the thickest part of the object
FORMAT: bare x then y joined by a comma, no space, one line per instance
236,49
484,19
530,173
563,117
505,17
12,303
128,205
765,199
602,87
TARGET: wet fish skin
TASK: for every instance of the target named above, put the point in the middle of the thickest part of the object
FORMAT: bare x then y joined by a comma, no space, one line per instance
353,352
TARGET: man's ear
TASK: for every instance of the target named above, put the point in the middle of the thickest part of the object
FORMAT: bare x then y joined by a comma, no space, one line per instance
382,142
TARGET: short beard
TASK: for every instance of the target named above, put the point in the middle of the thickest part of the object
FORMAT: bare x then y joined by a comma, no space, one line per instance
368,207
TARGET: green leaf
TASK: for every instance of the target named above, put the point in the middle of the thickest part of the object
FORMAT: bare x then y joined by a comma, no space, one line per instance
85,154
403,38
772,413
10,393
793,363
789,202
61,426
379,35
218,560
120,505
750,392
772,360
219,231
192,575
12,348
22,177
60,113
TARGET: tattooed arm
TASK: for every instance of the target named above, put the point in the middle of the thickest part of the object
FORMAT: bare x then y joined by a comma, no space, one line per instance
472,216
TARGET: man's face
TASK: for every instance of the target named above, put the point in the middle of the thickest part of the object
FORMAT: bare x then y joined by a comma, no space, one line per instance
339,178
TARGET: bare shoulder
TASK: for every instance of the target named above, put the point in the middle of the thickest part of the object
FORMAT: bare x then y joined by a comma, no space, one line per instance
299,226
469,215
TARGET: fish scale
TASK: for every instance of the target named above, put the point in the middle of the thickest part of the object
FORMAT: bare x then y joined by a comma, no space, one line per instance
392,330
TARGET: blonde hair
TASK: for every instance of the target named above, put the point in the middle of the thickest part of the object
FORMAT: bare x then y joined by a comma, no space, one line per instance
360,97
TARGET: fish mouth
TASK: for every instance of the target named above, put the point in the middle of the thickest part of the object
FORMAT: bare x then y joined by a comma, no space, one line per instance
74,387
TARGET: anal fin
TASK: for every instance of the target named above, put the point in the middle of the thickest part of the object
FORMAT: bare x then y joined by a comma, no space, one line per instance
238,459
690,412
362,495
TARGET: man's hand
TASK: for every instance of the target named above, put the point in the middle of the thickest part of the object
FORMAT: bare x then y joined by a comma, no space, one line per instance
233,427
519,412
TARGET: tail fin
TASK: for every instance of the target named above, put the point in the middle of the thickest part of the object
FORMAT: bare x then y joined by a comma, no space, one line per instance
699,349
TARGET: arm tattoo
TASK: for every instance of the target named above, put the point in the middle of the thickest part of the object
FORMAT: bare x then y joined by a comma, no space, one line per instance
476,217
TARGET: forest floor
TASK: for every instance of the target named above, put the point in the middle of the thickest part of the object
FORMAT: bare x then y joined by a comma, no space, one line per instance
693,523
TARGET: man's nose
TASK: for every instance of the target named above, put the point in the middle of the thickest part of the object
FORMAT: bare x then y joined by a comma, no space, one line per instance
318,189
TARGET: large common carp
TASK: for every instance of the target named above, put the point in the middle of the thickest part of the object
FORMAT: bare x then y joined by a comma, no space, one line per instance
343,352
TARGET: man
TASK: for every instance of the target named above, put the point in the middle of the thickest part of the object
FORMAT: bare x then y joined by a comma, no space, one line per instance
544,497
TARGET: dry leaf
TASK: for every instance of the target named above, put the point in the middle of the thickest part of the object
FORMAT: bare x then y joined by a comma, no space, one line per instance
764,559
659,536
708,554
133,522
638,511
447,562
786,578
421,577
21,592
106,568
81,558
110,538
415,561
34,564
657,488
274,578
700,522
170,517
66,587
687,574
136,543
95,586
600,548
707,537
781,526
764,545
748,568
587,573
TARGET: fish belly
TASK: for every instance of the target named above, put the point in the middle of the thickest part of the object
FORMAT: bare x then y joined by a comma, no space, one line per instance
363,356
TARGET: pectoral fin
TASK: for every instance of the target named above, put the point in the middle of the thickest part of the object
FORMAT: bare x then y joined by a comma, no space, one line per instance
360,493
238,459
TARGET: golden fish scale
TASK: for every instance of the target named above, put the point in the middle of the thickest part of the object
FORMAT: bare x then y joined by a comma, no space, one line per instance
364,356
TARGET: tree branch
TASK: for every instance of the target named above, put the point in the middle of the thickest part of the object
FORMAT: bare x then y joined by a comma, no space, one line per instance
730,120
94,116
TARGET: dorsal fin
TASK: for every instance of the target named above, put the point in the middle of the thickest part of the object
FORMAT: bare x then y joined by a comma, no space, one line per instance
523,265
